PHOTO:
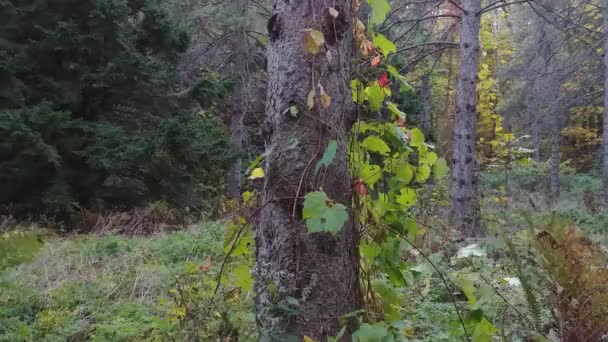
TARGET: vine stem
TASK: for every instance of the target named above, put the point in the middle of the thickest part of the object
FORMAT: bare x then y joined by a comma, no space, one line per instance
439,272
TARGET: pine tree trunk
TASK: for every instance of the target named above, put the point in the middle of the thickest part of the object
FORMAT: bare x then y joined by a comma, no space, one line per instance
605,132
425,111
318,270
239,63
465,196
554,177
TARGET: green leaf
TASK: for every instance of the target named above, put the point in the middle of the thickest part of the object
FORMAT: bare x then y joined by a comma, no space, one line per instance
468,288
242,277
247,196
428,158
385,45
255,162
370,174
242,245
391,299
440,169
328,156
423,173
322,215
370,250
404,171
394,110
375,96
483,332
375,144
406,197
380,9
370,333
417,137
358,91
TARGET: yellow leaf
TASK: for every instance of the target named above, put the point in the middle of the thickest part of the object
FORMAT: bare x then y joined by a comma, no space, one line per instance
325,99
311,98
313,40
258,172
309,339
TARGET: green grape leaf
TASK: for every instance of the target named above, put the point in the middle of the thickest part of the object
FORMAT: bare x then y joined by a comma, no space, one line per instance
423,173
375,144
358,91
370,333
406,197
391,299
328,156
385,45
395,111
483,331
429,158
380,9
404,171
370,174
468,288
370,250
417,137
322,215
375,96
440,169
241,277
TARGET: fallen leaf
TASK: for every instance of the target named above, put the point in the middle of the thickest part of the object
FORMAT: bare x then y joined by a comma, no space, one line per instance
206,266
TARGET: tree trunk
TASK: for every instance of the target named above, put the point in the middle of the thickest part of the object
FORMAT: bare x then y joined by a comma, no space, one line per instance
554,178
425,99
238,70
605,131
318,270
465,197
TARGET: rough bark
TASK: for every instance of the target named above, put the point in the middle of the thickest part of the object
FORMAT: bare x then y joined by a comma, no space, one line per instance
465,196
605,131
238,108
425,99
554,177
319,270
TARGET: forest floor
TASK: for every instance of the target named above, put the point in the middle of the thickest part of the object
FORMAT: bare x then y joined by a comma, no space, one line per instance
161,287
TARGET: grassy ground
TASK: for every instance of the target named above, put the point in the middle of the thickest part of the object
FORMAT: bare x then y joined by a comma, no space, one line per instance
160,287
115,288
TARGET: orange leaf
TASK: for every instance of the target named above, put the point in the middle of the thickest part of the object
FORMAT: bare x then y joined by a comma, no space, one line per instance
376,61
206,266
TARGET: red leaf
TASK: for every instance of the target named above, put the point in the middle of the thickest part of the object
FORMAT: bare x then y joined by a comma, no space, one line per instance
206,266
383,80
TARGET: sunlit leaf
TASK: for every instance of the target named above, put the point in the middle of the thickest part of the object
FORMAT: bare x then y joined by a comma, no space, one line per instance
385,45
256,173
375,144
405,172
406,197
370,174
369,250
417,137
375,96
242,277
380,9
423,172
